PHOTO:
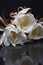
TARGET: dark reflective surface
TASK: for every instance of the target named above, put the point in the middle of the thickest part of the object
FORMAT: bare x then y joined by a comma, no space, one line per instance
28,54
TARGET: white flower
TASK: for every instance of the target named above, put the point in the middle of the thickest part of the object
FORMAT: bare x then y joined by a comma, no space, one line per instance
25,22
16,39
11,35
36,32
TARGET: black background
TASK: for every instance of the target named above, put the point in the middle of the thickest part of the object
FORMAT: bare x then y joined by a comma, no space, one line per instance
9,5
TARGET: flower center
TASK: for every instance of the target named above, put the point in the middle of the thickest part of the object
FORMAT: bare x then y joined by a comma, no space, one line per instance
35,32
12,35
24,21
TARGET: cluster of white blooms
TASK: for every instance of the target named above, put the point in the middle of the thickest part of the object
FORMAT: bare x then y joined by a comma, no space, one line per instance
23,27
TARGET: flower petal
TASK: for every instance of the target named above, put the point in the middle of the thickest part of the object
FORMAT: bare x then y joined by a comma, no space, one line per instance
6,42
12,28
2,38
24,10
23,34
40,21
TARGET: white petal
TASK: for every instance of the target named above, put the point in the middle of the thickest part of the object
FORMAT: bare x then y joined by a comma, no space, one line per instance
1,30
32,18
23,34
40,20
19,16
14,44
41,23
12,28
2,38
6,42
24,11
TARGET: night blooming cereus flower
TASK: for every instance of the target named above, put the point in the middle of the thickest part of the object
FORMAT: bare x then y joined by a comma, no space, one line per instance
23,21
11,35
36,32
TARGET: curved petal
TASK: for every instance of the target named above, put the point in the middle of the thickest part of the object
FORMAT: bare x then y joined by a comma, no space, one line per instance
23,34
24,11
2,29
19,16
6,42
12,28
2,38
40,21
